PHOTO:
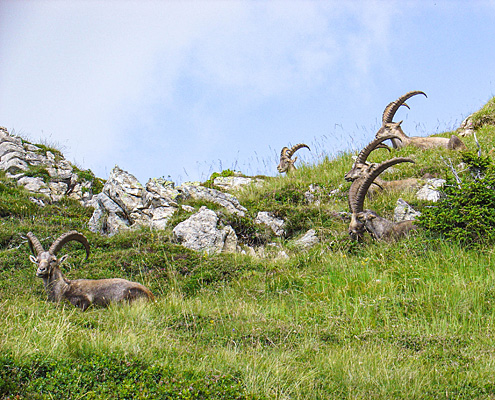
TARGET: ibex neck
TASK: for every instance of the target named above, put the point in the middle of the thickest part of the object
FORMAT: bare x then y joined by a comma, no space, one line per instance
404,140
56,285
379,227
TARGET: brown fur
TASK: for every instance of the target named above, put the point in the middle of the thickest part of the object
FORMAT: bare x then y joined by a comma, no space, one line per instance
383,229
80,292
430,142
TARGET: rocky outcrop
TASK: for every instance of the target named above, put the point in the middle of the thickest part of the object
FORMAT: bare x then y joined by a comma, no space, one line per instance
125,203
200,232
39,170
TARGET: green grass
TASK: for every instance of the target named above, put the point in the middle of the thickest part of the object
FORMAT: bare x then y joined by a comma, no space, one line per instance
414,319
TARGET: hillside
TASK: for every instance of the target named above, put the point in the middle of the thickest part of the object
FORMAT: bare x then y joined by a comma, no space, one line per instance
410,319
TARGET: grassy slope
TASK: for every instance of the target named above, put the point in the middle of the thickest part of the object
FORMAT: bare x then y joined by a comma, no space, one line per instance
413,319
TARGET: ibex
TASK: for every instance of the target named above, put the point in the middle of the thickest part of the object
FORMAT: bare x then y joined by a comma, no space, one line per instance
368,220
393,128
362,168
286,162
80,292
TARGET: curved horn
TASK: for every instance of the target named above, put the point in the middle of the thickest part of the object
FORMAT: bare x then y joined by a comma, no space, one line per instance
353,190
298,146
67,237
285,152
391,109
375,144
358,199
34,244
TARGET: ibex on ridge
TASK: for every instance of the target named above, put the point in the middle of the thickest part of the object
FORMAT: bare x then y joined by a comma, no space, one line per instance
368,220
286,162
80,292
393,128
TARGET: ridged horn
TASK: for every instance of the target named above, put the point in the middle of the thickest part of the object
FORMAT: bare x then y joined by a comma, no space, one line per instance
353,192
34,244
298,146
285,153
358,198
391,109
375,144
67,237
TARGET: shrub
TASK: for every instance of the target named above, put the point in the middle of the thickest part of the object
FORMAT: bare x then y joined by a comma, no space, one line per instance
467,211
99,377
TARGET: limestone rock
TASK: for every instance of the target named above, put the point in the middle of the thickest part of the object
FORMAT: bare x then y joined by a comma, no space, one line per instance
32,184
313,193
13,164
308,240
466,128
430,191
226,200
162,192
228,183
108,217
275,224
161,216
200,233
404,212
125,190
57,190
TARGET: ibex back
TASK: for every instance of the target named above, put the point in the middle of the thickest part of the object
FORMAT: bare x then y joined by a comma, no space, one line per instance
80,292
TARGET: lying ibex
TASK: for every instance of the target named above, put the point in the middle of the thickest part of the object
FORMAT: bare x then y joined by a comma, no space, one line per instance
80,292
393,128
362,168
286,162
368,220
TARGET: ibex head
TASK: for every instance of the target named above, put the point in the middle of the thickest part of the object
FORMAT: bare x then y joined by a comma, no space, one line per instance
286,162
391,129
361,166
388,126
47,261
357,194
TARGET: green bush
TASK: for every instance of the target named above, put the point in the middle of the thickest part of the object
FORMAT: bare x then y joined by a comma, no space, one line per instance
467,211
100,377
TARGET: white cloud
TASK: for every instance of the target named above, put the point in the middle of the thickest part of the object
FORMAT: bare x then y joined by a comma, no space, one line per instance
82,71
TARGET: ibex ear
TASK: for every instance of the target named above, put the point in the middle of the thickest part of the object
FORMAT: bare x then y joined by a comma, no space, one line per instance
400,122
33,259
63,258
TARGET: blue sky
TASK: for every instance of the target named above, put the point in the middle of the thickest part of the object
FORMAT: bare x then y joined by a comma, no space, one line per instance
181,89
